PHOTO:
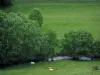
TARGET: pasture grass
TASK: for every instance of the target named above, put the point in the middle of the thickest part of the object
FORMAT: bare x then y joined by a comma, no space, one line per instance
63,17
65,67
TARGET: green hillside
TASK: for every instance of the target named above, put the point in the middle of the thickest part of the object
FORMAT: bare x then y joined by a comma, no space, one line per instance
63,17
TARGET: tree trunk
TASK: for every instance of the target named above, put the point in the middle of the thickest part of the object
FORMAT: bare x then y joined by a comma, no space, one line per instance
52,58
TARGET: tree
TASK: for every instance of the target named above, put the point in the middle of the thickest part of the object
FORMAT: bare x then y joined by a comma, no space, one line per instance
96,47
77,43
52,43
5,3
44,49
19,40
32,41
36,15
46,46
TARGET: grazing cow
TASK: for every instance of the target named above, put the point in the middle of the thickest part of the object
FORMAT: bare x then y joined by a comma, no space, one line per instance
52,69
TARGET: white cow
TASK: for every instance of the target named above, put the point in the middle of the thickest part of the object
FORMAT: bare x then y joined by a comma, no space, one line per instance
32,63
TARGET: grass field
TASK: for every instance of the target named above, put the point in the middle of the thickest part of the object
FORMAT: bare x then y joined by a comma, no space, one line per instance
63,17
63,68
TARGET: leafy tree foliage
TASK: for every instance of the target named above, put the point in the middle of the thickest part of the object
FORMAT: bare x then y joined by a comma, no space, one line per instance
19,39
36,15
48,44
96,47
77,43
52,43
5,3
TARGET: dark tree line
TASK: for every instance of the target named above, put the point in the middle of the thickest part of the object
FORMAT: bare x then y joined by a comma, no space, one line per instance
5,3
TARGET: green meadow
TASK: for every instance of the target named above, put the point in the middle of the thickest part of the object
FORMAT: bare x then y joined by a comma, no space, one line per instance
63,68
64,17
